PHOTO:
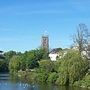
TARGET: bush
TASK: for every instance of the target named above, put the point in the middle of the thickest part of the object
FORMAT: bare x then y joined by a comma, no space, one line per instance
52,77
85,82
42,77
46,66
14,64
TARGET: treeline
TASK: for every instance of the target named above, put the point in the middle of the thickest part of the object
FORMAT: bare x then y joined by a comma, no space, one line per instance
27,60
5,59
32,66
35,67
13,61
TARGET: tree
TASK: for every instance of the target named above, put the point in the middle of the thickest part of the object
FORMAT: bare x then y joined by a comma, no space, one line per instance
3,65
14,64
80,39
73,67
52,77
8,55
84,82
32,57
46,66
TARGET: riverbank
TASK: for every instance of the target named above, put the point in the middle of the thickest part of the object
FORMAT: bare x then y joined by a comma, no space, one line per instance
7,84
71,70
32,77
84,83
10,84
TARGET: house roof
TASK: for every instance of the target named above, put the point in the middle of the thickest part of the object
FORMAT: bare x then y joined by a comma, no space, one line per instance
55,50
1,51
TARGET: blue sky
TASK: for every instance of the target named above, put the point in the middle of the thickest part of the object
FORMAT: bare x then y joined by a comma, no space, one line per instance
22,22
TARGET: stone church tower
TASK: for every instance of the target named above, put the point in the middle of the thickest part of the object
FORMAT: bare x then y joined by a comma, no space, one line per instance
45,42
88,49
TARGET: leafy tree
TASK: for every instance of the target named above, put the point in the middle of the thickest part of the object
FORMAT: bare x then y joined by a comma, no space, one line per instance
27,60
46,66
14,64
52,77
3,65
8,55
31,59
73,67
84,82
42,77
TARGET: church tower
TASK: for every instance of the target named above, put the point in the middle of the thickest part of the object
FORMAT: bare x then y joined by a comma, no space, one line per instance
88,48
45,42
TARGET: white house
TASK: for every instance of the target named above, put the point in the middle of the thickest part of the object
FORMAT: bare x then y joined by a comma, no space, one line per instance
53,56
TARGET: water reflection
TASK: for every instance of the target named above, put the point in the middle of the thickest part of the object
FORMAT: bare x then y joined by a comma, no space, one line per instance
53,87
7,84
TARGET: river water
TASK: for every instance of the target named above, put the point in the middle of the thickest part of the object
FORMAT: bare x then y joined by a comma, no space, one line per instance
8,84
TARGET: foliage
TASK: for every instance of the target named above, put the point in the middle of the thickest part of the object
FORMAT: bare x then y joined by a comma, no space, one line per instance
31,66
46,66
31,77
42,77
27,60
5,59
73,67
85,82
3,65
42,72
8,55
30,59
14,64
52,77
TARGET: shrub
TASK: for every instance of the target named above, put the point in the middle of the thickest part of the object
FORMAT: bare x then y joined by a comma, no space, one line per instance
52,77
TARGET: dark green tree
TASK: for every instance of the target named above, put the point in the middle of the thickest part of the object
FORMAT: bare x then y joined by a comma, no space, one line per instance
8,55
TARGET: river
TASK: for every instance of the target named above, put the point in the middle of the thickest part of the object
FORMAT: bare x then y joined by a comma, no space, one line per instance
8,84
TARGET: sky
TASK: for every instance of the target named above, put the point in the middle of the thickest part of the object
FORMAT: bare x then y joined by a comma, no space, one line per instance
23,22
